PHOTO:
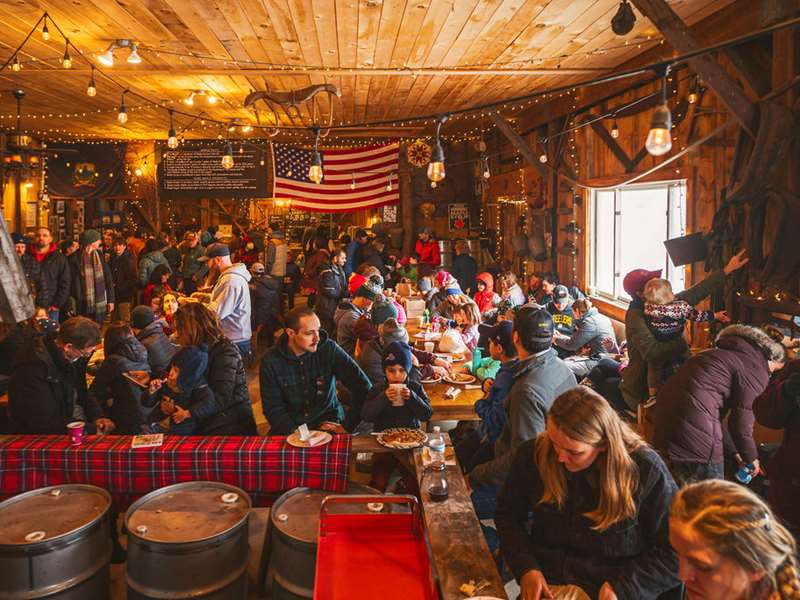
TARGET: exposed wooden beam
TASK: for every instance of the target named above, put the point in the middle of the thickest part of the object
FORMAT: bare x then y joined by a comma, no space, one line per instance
612,145
680,37
230,214
753,63
519,143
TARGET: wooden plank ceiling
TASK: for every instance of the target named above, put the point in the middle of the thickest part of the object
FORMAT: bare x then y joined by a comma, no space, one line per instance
229,47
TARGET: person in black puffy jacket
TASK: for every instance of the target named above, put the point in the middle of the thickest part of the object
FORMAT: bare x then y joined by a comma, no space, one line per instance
150,332
264,293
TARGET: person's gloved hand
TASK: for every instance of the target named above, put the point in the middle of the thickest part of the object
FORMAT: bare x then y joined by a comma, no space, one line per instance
791,387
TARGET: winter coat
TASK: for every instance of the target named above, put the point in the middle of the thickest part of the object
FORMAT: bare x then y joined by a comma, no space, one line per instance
160,349
264,300
302,389
123,273
355,256
491,409
515,295
593,330
428,253
277,254
45,388
722,381
77,284
345,319
371,357
33,275
644,347
778,408
332,289
379,411
230,299
55,278
487,299
192,267
465,269
233,414
634,556
315,264
538,381
173,256
122,398
147,264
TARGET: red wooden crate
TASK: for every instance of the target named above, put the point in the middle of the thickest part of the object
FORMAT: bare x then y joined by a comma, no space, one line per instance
374,555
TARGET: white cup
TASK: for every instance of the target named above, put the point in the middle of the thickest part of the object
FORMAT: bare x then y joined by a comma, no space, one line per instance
429,346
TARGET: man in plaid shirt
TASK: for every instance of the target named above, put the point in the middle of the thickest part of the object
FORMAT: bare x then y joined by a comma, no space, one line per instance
299,374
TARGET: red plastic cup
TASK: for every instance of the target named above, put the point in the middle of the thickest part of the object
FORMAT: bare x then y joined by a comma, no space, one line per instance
76,429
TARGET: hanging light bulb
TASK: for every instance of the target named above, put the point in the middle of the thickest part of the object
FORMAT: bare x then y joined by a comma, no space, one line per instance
436,170
172,138
189,100
241,149
45,31
389,183
16,66
107,58
133,57
614,130
659,138
315,172
433,184
543,158
247,128
66,61
485,167
231,127
694,90
211,99
91,89
122,113
353,181
227,158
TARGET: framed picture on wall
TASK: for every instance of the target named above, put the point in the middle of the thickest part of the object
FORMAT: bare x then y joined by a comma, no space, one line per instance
62,221
389,213
458,217
59,207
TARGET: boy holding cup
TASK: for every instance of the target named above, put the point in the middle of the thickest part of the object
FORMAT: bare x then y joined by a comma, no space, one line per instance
396,402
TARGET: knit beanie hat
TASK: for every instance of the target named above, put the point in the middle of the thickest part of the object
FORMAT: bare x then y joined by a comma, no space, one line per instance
397,353
18,238
453,291
355,282
192,362
142,316
382,311
89,236
368,290
391,331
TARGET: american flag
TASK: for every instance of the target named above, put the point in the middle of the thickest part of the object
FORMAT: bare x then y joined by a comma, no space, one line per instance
354,178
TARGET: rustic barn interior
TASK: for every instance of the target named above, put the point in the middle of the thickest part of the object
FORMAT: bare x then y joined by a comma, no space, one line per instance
577,137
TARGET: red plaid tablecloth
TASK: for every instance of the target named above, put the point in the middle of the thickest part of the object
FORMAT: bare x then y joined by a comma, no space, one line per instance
264,467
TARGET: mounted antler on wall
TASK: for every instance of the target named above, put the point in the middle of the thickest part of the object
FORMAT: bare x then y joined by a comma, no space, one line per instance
289,101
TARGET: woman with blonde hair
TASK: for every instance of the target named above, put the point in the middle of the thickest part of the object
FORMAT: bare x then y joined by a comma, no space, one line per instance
599,498
730,545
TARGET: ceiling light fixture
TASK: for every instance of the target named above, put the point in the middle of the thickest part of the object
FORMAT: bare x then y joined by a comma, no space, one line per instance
122,113
436,170
189,100
45,31
659,138
107,58
172,137
91,89
614,129
227,158
315,173
133,57
16,66
66,61
622,22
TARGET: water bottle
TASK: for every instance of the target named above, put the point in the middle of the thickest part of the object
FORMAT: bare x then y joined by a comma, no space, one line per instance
477,356
426,316
745,473
436,447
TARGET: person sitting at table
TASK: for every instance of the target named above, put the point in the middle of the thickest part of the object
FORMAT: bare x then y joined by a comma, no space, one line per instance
122,397
485,297
453,298
184,397
397,401
150,331
560,307
539,377
478,446
509,289
468,318
407,270
586,504
593,331
47,388
158,282
349,311
730,545
197,325
298,378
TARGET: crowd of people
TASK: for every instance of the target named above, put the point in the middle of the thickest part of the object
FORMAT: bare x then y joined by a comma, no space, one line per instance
577,497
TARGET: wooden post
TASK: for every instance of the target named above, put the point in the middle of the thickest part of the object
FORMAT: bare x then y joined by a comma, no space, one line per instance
680,37
406,204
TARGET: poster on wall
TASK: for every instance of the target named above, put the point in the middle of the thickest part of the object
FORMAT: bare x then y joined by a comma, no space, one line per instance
86,170
389,213
458,217
196,171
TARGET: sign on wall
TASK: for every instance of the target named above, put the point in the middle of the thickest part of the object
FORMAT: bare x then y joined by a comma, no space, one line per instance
458,217
196,171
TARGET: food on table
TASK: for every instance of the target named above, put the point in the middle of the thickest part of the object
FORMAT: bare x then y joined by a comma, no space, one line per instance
401,438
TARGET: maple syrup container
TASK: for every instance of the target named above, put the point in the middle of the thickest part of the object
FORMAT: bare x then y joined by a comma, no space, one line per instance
189,540
55,543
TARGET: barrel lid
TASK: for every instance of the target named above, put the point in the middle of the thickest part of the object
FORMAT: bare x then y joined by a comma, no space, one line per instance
296,513
48,513
188,512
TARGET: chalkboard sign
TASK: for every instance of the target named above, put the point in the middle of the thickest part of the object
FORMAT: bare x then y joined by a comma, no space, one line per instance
195,171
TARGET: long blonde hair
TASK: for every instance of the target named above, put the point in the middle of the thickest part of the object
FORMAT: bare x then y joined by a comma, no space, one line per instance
742,527
585,416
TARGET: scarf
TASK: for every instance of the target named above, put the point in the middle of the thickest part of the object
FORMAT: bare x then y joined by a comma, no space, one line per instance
94,283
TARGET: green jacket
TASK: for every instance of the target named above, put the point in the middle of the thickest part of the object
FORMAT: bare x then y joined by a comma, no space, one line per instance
643,346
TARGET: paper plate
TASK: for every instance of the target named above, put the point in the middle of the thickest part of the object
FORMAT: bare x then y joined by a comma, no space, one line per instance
320,438
463,379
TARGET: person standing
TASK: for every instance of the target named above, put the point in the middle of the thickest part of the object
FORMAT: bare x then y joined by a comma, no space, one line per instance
299,374
277,255
331,290
194,270
230,297
355,252
30,266
149,259
465,269
427,248
123,273
53,293
150,332
349,311
173,256
92,282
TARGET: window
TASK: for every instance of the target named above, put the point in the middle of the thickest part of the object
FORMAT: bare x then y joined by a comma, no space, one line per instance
629,226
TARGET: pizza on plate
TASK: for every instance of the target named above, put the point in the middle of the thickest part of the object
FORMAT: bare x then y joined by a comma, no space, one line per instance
402,438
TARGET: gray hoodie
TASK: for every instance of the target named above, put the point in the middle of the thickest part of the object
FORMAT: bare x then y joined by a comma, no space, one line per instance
230,299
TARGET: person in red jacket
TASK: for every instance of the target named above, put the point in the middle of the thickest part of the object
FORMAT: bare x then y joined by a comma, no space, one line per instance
428,250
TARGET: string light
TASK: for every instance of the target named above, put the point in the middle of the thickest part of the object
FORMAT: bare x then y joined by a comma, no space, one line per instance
659,138
16,66
189,100
227,158
122,113
543,158
389,182
172,137
315,173
66,61
45,31
436,170
91,89
485,167
614,130
353,181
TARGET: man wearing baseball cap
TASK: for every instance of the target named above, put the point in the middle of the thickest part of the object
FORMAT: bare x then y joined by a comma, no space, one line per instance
230,298
539,378
642,344
560,308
